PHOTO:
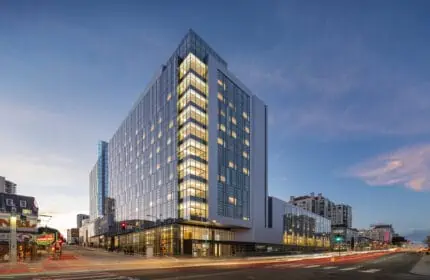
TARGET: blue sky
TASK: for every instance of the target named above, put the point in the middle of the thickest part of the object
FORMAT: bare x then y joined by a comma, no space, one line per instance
347,85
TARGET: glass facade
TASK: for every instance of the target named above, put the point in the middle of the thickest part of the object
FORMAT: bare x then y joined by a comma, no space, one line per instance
178,239
158,156
233,149
305,229
99,182
159,166
102,177
192,139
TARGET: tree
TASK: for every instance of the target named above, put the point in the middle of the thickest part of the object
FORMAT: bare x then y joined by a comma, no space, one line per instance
398,240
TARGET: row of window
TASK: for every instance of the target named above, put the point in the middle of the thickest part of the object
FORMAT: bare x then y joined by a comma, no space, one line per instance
192,122
11,202
192,80
193,63
233,149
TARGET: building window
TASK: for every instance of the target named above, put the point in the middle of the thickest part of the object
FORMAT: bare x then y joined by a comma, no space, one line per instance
222,178
220,97
23,203
232,200
220,141
9,202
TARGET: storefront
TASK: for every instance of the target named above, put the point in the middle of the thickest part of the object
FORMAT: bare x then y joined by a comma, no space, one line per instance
177,239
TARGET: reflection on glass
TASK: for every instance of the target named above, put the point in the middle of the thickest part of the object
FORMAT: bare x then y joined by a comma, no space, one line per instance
303,228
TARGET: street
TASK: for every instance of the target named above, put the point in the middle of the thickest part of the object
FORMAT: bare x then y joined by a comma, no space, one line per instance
391,266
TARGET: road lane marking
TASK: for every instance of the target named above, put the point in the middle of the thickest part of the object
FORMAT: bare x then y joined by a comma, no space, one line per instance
312,266
329,267
349,268
282,265
296,265
373,270
82,276
199,276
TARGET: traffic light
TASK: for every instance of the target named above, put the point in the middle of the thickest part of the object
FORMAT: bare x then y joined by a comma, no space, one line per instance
338,238
123,225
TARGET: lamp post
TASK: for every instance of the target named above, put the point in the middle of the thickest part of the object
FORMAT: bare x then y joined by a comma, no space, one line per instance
12,243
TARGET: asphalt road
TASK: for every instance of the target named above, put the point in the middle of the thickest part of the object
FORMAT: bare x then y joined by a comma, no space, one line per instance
393,266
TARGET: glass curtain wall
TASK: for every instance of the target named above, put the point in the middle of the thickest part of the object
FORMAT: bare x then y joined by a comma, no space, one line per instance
170,239
233,150
192,139
305,229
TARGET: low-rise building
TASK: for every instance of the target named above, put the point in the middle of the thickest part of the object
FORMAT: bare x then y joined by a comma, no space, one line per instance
73,236
21,212
86,231
382,233
18,204
349,236
7,186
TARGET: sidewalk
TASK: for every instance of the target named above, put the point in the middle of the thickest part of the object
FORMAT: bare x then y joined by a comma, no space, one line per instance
75,263
423,266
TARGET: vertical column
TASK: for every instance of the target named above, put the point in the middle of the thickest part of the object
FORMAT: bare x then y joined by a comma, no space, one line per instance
12,244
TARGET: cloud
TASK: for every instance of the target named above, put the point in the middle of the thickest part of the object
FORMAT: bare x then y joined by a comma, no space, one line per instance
338,84
338,105
42,152
409,166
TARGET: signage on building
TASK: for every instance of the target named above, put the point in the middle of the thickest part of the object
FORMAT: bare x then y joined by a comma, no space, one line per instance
20,237
29,224
45,239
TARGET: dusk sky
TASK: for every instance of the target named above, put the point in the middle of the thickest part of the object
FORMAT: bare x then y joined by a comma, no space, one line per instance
347,84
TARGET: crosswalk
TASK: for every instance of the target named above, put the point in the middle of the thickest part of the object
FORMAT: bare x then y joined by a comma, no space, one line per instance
328,268
86,276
